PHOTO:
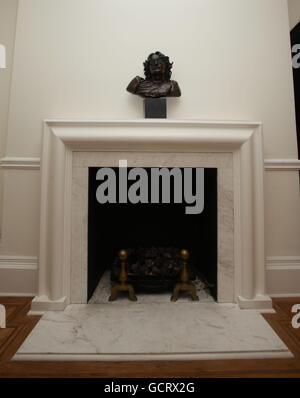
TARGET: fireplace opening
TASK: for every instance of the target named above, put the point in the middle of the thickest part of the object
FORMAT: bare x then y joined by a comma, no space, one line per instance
153,234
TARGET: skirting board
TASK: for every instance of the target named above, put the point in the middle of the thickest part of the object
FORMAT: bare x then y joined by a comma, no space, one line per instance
18,276
283,276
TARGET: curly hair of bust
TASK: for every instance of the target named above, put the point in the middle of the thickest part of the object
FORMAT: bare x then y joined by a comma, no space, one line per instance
162,57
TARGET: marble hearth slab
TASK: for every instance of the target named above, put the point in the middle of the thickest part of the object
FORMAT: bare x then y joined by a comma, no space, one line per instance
144,331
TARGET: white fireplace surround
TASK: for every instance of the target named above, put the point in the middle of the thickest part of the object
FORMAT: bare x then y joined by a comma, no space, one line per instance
70,147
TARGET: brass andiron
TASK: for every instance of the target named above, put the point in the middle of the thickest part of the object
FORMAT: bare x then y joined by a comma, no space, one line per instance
122,286
184,285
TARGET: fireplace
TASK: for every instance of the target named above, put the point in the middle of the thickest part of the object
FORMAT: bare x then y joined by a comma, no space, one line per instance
154,233
72,148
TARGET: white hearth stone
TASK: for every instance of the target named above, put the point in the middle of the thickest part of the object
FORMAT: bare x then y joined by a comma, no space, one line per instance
144,331
103,291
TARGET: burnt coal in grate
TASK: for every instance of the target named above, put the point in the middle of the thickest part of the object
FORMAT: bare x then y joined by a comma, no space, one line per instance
153,269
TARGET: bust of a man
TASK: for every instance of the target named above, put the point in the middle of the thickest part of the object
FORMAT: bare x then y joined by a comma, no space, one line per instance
157,83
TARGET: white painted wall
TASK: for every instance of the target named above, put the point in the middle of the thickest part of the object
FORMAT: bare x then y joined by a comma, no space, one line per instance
8,21
74,59
294,12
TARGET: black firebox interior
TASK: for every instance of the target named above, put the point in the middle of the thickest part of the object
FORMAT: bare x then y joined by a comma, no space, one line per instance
115,226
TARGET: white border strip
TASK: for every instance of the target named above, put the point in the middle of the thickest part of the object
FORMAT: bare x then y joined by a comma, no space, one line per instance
283,295
34,164
4,294
155,357
283,263
20,163
18,262
282,164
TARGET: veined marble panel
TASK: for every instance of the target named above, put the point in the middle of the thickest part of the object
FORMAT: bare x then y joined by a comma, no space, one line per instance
181,330
153,159
79,241
220,160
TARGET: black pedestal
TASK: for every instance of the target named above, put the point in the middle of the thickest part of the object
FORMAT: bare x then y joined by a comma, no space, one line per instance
155,108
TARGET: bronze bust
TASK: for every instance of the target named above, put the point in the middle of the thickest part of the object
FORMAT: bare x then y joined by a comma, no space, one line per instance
157,83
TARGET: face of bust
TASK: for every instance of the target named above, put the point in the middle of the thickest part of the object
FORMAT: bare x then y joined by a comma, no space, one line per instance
157,67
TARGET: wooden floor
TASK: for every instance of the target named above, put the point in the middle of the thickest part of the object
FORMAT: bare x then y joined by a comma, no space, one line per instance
19,325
